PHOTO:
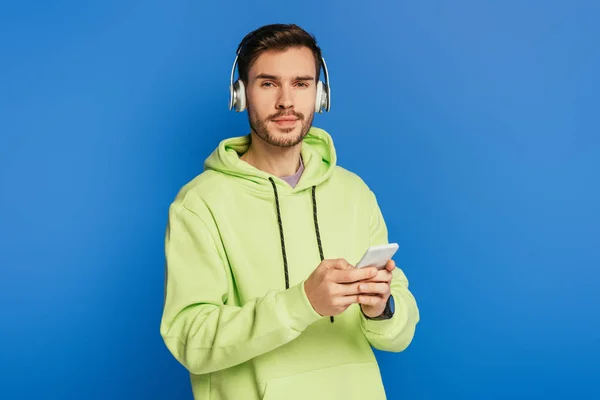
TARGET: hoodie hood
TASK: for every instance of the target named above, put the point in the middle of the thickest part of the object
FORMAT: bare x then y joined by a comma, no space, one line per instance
317,151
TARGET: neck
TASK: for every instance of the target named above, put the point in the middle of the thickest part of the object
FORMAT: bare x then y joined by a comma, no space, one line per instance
278,161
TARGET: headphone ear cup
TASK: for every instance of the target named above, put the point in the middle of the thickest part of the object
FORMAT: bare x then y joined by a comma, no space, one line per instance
319,100
239,96
232,96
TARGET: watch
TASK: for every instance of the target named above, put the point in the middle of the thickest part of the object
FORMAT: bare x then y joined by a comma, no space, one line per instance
387,313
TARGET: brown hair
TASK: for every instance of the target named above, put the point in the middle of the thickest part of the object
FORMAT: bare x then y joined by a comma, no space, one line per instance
276,37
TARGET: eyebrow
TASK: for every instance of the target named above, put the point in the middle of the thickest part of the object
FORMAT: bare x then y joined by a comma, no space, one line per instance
276,78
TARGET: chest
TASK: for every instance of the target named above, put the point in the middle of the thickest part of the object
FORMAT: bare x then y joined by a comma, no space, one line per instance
260,240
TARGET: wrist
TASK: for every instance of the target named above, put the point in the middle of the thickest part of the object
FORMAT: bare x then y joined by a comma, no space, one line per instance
388,311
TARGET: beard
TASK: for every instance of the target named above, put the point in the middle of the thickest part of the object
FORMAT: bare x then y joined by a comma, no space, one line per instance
259,126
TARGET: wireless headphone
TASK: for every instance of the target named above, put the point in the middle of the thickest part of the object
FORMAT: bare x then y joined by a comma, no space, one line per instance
237,91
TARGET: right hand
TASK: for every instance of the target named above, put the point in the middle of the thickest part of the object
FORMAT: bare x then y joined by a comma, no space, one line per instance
333,286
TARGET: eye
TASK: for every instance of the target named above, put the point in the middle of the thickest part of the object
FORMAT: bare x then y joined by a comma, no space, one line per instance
303,84
267,84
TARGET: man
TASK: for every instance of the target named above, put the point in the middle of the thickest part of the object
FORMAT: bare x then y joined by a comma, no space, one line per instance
262,300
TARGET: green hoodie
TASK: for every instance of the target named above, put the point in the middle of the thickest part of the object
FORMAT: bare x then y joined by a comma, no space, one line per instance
239,325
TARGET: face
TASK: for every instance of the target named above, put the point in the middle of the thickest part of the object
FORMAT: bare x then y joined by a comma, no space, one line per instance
281,95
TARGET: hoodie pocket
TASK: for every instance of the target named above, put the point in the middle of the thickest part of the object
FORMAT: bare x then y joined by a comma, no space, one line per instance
348,382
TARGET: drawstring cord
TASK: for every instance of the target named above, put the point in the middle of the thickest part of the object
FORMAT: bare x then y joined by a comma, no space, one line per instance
318,234
285,264
314,201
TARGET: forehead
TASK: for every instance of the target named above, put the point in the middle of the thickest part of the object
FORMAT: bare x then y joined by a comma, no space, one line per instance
295,61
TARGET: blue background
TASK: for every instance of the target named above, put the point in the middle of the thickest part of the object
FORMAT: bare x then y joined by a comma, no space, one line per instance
476,123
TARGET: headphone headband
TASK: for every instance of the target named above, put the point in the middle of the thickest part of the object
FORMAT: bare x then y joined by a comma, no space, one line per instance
326,86
233,94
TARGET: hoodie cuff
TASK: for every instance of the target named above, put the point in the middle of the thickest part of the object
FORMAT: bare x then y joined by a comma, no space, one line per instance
382,327
298,308
379,327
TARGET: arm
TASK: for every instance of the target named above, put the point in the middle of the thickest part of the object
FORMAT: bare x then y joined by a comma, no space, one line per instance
394,334
199,329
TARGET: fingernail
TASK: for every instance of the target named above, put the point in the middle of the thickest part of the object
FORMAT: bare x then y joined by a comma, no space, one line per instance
363,287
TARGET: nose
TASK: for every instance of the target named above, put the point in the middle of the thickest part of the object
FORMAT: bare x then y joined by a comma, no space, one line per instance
285,99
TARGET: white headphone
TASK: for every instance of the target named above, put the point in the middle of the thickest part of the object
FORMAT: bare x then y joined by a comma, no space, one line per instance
237,91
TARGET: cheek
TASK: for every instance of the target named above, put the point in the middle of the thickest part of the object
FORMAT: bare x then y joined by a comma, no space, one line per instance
306,100
262,104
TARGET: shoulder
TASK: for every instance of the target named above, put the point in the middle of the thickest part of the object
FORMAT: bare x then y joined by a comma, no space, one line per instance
351,184
194,194
349,179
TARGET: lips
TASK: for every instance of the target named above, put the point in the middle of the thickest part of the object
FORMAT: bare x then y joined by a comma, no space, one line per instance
286,119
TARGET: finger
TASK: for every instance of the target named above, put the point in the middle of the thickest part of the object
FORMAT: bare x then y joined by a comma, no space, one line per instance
382,276
339,264
390,265
345,300
368,300
353,274
354,288
346,289
374,288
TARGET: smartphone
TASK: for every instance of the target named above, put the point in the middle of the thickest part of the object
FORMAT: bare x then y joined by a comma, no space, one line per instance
378,256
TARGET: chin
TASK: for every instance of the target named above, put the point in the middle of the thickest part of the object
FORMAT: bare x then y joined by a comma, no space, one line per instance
285,137
285,131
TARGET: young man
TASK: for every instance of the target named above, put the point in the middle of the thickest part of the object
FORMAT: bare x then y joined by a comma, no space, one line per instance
262,300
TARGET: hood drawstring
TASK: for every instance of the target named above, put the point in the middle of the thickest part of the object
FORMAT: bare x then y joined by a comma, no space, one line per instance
318,234
285,264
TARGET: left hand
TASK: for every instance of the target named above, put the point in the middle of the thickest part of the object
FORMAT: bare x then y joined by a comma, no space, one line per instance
374,292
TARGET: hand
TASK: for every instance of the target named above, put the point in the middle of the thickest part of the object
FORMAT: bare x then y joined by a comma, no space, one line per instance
374,292
333,286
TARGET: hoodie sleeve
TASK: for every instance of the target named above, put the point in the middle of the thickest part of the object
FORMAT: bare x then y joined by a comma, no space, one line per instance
200,330
394,334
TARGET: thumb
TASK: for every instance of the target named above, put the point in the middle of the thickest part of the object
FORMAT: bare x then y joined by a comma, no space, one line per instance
390,265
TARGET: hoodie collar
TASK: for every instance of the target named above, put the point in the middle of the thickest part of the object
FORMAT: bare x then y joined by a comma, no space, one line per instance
318,154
